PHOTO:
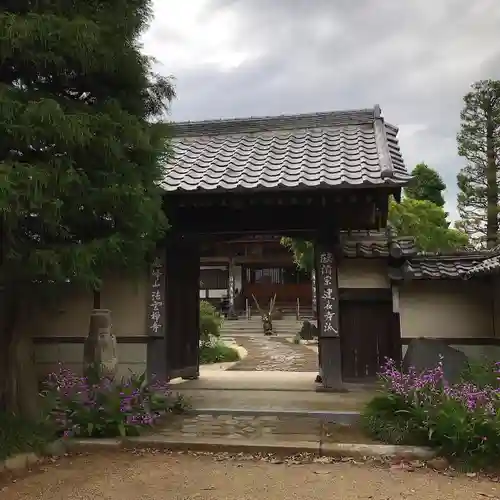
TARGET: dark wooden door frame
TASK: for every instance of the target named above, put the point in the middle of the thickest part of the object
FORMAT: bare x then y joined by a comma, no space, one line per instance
388,339
182,308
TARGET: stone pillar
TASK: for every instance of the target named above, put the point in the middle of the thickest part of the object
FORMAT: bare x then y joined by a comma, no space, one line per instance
330,358
100,358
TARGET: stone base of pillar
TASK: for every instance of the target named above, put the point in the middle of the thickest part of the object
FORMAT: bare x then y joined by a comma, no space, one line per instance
330,362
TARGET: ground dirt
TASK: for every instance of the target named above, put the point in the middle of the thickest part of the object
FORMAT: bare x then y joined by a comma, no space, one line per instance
275,354
146,476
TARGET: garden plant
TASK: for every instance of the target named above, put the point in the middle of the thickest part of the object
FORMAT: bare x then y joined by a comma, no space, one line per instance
461,421
79,407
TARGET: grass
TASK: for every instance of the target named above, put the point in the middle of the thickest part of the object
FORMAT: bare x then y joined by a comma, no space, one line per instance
18,435
217,352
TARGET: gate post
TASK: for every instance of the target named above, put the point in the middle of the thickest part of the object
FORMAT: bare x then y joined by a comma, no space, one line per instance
330,356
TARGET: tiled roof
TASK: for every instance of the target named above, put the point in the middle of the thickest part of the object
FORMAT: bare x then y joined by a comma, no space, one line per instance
437,267
376,244
489,265
348,148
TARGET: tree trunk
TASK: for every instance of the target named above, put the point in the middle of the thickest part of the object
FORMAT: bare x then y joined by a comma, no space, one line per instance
19,383
492,188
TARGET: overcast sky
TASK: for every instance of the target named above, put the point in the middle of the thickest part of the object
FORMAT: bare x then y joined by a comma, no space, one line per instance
416,58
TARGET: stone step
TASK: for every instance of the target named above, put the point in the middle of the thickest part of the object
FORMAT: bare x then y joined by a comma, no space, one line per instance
253,427
340,417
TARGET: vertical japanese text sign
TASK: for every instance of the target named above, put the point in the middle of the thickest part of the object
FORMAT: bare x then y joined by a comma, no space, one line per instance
328,295
156,306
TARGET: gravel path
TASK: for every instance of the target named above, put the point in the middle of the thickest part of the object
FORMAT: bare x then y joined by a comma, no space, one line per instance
175,477
275,354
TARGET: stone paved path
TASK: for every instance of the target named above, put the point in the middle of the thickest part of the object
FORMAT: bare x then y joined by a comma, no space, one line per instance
254,428
127,476
275,354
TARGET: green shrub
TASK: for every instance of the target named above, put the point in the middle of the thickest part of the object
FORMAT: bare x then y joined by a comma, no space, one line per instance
105,409
385,418
210,322
461,421
18,435
482,373
216,351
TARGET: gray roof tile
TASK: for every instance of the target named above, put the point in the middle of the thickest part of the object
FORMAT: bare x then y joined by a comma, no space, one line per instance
350,148
489,265
435,268
375,244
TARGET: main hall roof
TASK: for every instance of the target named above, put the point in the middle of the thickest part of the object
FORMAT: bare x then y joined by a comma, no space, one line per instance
330,150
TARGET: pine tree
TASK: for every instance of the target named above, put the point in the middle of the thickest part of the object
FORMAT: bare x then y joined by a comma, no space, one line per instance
80,159
479,144
426,185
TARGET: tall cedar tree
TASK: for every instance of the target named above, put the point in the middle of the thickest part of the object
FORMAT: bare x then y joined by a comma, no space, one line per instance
80,157
479,144
426,184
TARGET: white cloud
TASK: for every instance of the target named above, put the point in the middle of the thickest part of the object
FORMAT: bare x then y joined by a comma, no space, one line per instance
184,35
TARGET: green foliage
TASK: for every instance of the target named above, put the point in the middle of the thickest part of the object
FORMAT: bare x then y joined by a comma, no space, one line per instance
80,158
18,435
479,144
80,408
217,352
385,418
426,185
461,421
303,252
426,222
210,322
481,373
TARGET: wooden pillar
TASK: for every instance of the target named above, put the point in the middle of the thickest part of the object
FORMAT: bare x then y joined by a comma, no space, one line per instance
230,291
328,318
319,377
182,301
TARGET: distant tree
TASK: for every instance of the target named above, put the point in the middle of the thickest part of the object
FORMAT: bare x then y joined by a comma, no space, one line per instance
426,222
426,185
80,160
479,143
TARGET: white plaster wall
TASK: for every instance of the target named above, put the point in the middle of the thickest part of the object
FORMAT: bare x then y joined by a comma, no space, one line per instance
131,358
446,308
363,273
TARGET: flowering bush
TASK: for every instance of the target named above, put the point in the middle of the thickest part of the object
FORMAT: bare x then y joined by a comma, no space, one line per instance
461,420
105,408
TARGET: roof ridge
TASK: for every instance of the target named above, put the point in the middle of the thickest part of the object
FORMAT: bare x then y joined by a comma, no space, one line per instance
224,126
